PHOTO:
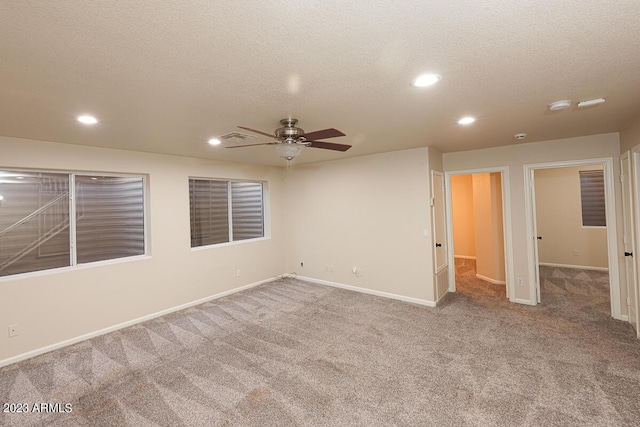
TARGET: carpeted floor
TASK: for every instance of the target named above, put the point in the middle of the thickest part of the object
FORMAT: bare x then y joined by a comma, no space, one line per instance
294,353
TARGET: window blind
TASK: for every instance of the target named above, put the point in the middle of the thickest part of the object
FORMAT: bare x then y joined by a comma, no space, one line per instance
34,221
37,229
225,211
247,212
592,198
209,205
110,217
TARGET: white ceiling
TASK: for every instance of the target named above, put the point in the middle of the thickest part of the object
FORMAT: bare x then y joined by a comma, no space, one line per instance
165,76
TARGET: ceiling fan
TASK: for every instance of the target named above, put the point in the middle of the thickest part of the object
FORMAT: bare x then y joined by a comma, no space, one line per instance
290,140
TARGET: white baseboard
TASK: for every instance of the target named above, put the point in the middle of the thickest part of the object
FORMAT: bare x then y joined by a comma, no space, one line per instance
581,267
441,297
464,256
524,301
624,317
71,341
490,280
369,291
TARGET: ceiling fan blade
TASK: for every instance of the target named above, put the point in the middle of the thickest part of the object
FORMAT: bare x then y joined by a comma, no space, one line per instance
270,135
329,146
322,134
252,145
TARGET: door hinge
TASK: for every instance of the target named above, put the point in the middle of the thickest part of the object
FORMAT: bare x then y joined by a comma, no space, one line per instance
622,178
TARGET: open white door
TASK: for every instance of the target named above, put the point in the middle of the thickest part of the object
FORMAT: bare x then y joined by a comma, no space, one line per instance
629,239
439,234
534,227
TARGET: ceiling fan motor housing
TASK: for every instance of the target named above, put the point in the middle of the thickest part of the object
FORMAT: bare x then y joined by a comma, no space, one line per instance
289,132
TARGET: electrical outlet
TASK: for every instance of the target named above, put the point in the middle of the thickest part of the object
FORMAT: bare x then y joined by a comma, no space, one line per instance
328,268
13,331
576,253
520,281
237,273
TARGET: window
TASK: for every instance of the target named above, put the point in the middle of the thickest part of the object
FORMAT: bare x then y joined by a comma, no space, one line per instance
52,219
110,217
592,198
225,211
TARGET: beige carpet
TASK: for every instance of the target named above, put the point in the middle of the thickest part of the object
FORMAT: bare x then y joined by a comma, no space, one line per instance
294,353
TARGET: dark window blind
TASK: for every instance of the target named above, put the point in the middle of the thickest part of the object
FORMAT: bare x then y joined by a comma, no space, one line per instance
36,226
247,211
592,197
34,221
225,211
110,217
209,205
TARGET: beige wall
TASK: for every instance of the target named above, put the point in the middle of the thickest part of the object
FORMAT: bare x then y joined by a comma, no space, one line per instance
489,241
630,135
464,227
559,221
55,306
370,212
477,222
515,157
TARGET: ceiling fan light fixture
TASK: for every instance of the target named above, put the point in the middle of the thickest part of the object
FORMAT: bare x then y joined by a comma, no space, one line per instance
289,151
214,141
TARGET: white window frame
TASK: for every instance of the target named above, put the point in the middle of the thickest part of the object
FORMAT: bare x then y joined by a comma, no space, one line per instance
266,219
73,264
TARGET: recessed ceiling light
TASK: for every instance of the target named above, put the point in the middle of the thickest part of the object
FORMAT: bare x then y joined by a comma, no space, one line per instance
426,80
466,120
87,120
560,105
1,197
215,141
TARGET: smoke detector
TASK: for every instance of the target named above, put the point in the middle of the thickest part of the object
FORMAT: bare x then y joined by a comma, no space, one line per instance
520,136
560,105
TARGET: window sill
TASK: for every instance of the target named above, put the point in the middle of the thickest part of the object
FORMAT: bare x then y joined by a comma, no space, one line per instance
222,245
51,271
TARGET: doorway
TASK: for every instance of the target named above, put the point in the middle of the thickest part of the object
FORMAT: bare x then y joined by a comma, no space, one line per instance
478,209
607,247
571,233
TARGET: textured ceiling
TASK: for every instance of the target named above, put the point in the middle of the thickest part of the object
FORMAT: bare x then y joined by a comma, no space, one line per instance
165,76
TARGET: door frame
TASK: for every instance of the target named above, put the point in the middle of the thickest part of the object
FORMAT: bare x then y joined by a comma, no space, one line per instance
506,226
437,268
612,227
635,202
629,236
